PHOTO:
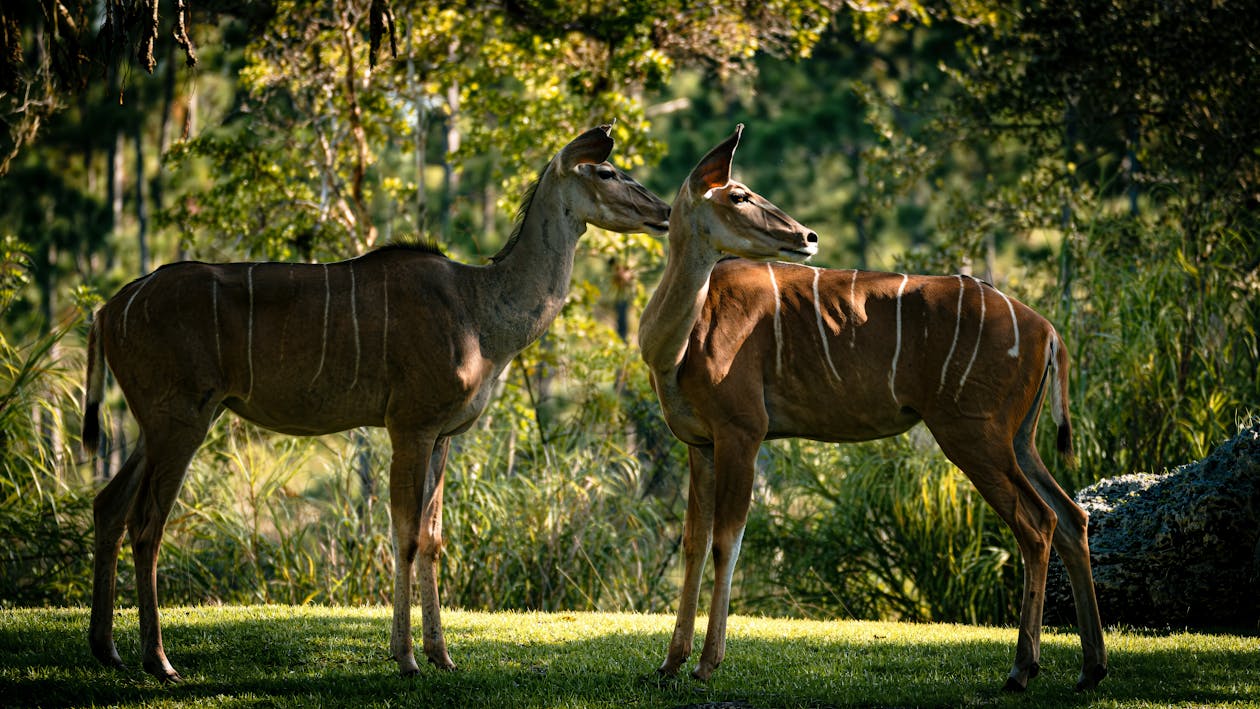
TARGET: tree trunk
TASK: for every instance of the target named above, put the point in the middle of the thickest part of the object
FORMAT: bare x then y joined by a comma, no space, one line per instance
1131,165
142,208
416,91
450,176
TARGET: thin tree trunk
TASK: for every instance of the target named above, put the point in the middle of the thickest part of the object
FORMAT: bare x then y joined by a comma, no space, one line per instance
1065,217
859,220
450,177
366,230
421,134
142,208
1131,165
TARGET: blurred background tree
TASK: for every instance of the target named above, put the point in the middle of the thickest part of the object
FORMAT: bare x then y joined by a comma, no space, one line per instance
1096,159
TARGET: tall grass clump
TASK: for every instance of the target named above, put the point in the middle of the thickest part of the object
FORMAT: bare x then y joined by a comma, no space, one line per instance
1165,344
45,512
881,530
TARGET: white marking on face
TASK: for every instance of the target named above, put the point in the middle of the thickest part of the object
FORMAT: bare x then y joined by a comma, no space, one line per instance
979,335
962,286
822,332
1014,350
892,375
354,317
323,345
249,335
130,300
852,297
778,323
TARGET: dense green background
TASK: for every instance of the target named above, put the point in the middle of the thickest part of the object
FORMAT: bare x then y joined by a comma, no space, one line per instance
1097,160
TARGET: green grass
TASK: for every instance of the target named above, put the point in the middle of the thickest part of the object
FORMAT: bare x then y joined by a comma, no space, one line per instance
320,656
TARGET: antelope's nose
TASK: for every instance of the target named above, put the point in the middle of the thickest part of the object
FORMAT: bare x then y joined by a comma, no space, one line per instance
811,238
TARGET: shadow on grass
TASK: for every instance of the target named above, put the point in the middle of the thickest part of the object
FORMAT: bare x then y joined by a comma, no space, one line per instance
272,658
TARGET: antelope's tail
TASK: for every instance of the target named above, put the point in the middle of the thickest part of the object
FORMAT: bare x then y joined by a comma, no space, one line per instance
1059,399
94,389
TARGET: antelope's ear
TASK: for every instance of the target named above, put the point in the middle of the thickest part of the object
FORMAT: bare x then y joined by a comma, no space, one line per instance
593,146
714,170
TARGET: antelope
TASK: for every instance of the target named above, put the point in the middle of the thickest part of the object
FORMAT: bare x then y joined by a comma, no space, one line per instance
748,349
402,338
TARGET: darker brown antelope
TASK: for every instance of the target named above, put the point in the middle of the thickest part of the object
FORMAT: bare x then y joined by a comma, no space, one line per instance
400,338
742,351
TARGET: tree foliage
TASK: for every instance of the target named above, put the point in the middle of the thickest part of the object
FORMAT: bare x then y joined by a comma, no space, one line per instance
1096,159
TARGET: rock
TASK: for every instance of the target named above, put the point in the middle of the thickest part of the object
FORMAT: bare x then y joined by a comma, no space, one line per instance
1177,549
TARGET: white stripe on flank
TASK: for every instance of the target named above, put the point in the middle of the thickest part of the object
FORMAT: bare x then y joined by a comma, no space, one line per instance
892,376
214,298
354,317
323,346
852,292
778,324
822,333
1014,350
249,337
127,309
979,333
962,286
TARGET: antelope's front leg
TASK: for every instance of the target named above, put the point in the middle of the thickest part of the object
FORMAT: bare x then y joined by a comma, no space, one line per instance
734,462
430,553
697,537
406,488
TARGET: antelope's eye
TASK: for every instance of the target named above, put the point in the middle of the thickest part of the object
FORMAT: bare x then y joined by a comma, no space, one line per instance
605,172
739,197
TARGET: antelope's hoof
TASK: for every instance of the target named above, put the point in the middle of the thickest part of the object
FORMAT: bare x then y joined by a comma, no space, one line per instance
1014,686
110,660
442,662
166,676
669,669
703,671
1090,678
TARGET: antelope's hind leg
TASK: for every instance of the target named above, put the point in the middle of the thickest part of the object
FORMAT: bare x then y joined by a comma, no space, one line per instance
992,467
1071,540
110,511
169,452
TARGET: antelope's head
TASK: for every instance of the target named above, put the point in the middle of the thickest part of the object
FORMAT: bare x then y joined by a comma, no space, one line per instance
732,218
600,194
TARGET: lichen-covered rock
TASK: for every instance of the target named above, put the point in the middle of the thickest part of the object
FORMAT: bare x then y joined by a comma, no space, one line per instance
1181,548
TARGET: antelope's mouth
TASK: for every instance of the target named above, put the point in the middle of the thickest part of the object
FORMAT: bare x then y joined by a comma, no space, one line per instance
801,253
661,227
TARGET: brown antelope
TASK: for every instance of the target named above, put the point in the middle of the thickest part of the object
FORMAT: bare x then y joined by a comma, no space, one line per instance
400,337
741,351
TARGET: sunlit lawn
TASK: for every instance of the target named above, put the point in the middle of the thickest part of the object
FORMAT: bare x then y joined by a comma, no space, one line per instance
311,656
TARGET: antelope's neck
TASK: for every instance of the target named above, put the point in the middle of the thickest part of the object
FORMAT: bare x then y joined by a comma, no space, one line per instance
523,292
671,313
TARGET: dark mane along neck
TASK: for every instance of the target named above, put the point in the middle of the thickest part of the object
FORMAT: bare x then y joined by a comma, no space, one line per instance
424,246
527,200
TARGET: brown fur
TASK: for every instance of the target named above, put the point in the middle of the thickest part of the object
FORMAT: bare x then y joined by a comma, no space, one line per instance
400,337
742,351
